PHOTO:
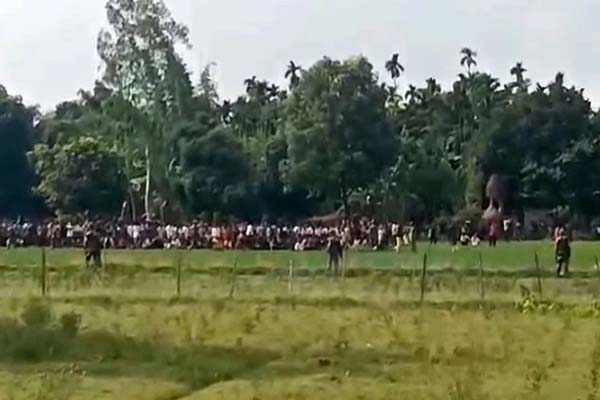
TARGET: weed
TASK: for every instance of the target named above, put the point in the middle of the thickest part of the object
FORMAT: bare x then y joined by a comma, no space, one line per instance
594,374
536,376
36,314
70,323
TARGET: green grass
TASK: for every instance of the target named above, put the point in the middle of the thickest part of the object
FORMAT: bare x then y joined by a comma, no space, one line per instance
126,335
506,257
355,339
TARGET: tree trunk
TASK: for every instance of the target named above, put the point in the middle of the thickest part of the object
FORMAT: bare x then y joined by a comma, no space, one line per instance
132,202
148,178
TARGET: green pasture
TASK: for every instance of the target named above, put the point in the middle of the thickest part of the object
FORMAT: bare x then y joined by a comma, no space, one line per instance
515,256
132,332
127,337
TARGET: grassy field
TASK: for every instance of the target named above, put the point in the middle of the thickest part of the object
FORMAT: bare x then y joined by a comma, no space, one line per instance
362,338
125,334
506,257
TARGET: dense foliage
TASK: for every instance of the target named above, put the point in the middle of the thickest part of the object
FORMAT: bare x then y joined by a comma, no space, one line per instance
340,137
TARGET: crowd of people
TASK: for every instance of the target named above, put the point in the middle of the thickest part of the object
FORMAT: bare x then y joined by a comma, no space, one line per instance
333,236
359,233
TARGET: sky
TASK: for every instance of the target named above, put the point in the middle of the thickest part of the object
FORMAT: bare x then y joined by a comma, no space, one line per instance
48,47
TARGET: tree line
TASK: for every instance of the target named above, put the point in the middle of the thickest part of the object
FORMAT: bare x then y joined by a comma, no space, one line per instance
339,137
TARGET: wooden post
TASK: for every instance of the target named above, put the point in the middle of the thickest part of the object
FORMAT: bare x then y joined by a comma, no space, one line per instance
481,283
291,276
538,274
233,278
43,277
423,278
178,271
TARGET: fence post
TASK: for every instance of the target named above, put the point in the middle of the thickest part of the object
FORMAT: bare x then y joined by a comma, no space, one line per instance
291,276
43,277
423,278
178,271
481,282
233,278
538,274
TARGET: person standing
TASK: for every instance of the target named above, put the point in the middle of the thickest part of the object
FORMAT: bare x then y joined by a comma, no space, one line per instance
412,236
335,253
562,253
432,234
92,247
494,233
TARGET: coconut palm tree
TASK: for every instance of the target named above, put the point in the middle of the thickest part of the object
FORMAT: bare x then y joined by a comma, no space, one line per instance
292,73
468,58
394,67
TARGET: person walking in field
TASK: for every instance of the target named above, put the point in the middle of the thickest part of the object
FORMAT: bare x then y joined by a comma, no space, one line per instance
562,253
92,248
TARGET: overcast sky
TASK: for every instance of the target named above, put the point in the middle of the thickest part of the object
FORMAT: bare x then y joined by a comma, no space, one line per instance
48,47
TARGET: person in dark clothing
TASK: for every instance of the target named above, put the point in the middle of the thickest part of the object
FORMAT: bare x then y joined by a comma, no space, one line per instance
92,248
562,253
432,234
335,254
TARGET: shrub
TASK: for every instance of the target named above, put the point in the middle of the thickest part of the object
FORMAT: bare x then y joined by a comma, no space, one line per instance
36,315
70,323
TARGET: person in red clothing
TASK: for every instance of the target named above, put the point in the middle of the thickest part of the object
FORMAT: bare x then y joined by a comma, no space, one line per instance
494,233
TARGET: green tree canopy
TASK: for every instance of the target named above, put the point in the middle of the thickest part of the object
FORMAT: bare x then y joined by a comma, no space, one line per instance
339,139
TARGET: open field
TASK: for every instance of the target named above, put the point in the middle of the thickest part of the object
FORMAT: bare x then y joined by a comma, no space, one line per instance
507,257
125,334
361,338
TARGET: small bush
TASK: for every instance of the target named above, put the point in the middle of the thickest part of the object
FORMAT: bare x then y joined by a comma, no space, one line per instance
70,323
36,315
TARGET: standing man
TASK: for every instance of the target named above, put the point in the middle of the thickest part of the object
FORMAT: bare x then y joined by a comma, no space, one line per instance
562,253
92,247
412,236
494,233
335,253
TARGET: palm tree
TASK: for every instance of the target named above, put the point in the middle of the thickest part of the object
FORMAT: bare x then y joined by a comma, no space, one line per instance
292,74
393,97
273,90
262,88
433,87
517,71
412,94
468,58
226,111
250,84
394,67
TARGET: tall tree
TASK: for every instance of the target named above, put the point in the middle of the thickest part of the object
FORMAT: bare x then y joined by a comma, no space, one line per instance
518,71
17,136
83,174
140,64
337,130
468,58
292,73
394,68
